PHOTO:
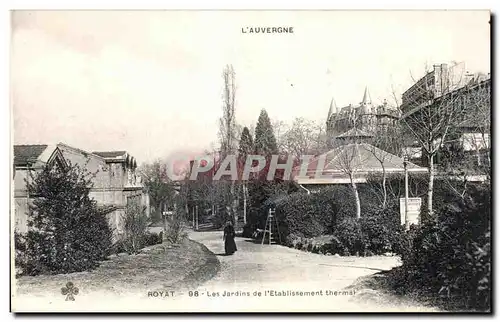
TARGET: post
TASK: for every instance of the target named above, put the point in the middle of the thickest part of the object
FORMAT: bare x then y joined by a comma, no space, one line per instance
196,207
193,218
244,204
407,220
164,219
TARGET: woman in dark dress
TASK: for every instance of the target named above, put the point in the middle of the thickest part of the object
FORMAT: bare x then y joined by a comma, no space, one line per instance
229,244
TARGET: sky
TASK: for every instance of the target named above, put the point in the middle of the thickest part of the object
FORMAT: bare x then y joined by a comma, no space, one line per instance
150,82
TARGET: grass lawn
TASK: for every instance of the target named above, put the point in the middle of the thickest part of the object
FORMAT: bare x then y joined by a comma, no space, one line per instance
158,267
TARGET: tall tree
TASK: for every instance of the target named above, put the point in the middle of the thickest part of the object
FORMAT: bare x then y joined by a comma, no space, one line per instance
159,187
265,145
228,131
246,147
265,141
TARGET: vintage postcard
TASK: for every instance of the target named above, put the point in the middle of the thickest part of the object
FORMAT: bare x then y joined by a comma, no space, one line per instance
250,161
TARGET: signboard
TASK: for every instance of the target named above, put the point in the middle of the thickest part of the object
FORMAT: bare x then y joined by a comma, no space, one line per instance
414,205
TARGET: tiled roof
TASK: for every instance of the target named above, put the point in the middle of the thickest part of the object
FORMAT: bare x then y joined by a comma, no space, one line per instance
109,154
24,154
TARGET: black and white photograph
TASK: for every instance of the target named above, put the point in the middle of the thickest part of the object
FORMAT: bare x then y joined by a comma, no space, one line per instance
246,161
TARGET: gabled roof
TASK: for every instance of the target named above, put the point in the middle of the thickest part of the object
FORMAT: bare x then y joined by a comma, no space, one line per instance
24,154
365,157
110,154
361,157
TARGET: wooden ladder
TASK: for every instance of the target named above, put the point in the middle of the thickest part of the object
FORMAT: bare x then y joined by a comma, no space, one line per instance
271,227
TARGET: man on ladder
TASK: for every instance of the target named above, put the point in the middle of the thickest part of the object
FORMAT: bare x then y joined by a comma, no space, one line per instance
271,227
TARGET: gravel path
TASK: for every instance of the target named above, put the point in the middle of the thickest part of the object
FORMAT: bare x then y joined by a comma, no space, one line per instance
273,268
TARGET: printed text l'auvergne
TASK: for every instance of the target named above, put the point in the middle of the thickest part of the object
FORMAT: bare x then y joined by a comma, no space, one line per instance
267,30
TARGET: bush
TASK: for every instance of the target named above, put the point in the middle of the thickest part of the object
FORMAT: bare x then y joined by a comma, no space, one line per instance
67,232
175,229
451,255
153,239
135,228
382,231
377,232
297,215
320,213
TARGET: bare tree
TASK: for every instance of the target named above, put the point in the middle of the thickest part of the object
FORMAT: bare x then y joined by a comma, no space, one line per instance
228,129
432,109
304,137
280,129
386,143
349,161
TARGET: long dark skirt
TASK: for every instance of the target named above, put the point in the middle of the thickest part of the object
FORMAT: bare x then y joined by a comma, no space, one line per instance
230,245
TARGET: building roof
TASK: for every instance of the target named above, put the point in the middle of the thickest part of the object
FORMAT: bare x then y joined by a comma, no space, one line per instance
354,133
361,157
24,154
110,154
365,157
366,97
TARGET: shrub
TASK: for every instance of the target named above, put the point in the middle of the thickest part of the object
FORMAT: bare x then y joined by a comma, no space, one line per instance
175,231
153,239
377,232
317,214
451,255
135,228
382,231
350,235
297,214
67,232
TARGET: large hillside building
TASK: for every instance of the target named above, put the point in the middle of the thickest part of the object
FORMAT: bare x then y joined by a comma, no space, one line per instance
452,88
358,121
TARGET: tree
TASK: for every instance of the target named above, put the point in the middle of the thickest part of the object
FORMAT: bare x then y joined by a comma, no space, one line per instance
433,114
246,148
228,131
280,128
305,137
159,187
265,141
349,161
259,187
66,230
386,142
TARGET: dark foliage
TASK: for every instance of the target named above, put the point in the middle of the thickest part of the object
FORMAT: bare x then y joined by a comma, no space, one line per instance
377,232
67,233
451,256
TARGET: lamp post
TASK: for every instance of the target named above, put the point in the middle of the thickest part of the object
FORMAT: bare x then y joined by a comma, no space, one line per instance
407,220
